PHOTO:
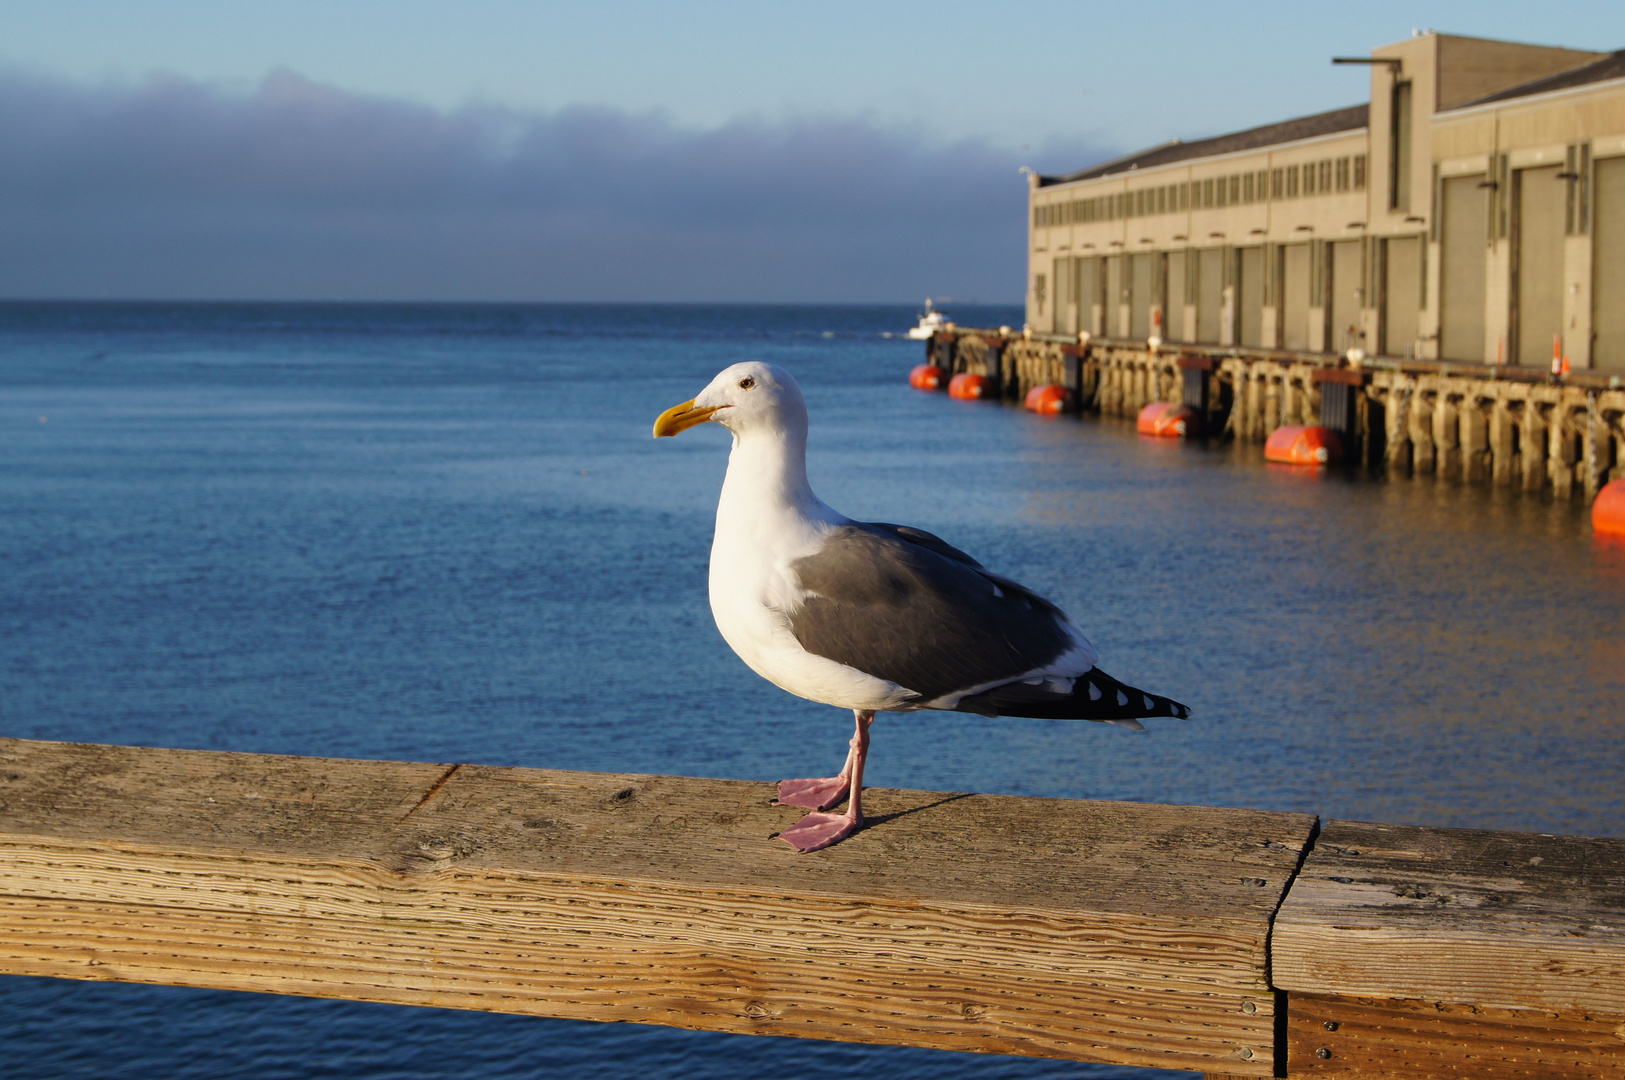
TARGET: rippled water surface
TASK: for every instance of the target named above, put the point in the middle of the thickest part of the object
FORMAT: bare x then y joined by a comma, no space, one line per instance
444,534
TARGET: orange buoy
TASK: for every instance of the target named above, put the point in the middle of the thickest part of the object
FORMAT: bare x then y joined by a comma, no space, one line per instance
967,387
1608,512
1168,420
1294,445
1047,400
925,377
1146,423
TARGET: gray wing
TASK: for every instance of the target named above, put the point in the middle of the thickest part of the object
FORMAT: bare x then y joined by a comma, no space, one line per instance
903,605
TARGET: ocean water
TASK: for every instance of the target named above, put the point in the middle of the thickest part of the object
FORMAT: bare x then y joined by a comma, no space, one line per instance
444,533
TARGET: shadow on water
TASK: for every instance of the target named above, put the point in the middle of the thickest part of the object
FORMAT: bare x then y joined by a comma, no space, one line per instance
444,533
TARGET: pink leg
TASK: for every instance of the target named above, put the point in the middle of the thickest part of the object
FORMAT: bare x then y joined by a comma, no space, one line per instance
823,792
818,830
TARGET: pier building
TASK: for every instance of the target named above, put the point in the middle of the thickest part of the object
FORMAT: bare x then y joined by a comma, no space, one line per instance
1472,210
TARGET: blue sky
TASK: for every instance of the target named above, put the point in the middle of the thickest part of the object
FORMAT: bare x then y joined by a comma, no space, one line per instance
763,151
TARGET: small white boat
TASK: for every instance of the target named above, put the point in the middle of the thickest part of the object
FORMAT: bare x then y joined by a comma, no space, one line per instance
930,322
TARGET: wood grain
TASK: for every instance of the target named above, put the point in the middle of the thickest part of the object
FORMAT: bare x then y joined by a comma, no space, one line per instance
1113,932
1354,1038
1489,919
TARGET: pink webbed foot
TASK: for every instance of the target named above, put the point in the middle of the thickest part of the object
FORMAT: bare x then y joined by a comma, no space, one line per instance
815,794
817,831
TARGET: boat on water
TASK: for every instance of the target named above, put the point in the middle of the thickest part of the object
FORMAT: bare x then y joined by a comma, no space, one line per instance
930,322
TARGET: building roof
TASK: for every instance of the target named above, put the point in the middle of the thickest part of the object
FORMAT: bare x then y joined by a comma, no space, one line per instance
1351,118
1611,66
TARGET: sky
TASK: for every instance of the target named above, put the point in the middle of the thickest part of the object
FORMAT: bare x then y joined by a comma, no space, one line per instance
497,150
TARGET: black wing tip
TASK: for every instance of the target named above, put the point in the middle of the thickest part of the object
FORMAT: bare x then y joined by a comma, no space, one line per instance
1095,696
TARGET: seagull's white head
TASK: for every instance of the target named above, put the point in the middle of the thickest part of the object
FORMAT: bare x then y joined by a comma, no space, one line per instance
746,399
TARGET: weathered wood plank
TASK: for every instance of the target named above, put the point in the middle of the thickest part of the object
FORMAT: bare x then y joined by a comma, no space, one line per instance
1491,919
1096,931
1360,1038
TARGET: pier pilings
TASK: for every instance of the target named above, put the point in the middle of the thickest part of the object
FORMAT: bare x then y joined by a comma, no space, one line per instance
1473,423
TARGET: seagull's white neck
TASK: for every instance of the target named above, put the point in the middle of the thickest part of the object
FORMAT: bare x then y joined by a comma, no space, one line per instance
766,493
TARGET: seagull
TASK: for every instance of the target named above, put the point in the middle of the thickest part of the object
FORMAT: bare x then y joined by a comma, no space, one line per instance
870,616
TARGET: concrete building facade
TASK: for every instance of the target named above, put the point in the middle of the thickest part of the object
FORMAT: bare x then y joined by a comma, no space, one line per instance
1473,210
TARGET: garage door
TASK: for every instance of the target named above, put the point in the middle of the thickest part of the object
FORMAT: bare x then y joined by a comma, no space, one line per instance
1144,294
1402,297
1295,297
1344,330
1210,294
1464,225
1540,204
1250,296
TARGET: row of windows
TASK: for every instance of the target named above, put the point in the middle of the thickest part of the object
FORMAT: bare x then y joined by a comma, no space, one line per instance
1284,182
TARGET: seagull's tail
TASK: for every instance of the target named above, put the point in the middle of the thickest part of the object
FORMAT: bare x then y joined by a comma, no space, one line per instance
1094,696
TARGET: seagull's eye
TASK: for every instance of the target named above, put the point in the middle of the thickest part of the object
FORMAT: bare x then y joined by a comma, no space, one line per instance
746,383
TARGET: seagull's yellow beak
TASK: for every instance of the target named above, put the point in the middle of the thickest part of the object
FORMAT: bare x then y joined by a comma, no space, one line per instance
682,417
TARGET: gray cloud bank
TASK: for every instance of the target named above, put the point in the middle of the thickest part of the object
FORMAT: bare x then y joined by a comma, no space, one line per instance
174,189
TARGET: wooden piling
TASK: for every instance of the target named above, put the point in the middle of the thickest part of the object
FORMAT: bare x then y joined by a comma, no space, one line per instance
1398,456
1500,435
1536,442
1446,435
1473,431
1561,453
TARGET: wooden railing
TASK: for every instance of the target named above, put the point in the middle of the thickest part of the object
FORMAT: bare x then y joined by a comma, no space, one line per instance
1231,941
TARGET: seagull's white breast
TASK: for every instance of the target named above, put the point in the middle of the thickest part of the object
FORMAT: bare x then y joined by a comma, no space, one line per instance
760,532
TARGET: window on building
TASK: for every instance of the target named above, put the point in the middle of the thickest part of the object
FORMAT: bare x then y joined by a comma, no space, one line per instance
1185,196
1325,184
1247,188
1399,149
1235,188
1221,191
1277,183
1292,181
1207,193
1162,200
1359,172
